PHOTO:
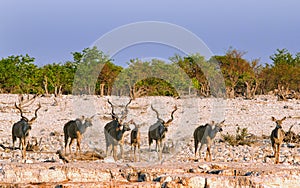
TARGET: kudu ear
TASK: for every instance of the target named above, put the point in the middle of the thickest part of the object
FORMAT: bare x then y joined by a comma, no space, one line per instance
273,119
283,119
222,122
93,116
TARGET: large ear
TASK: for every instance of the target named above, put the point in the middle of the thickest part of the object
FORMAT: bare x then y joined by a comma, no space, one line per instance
283,119
273,119
222,123
92,116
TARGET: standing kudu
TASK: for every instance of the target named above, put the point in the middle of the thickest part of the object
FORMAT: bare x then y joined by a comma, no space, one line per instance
277,136
114,131
205,135
74,129
135,140
21,129
158,130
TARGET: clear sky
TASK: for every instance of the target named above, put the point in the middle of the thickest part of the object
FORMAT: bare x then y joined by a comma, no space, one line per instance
51,30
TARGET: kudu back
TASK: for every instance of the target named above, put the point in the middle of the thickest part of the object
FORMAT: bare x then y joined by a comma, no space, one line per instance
276,137
114,131
74,129
22,128
158,131
204,134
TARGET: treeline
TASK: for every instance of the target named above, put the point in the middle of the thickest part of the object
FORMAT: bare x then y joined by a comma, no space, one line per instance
93,72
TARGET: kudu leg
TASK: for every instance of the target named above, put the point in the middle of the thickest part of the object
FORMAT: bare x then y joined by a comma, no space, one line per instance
70,146
159,145
196,147
139,151
277,154
114,149
208,154
23,140
122,151
78,143
134,153
201,145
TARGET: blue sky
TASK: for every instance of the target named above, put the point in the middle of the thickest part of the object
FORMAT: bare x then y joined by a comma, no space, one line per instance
51,30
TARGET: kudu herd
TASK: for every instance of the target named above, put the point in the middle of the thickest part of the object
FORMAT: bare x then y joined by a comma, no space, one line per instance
115,129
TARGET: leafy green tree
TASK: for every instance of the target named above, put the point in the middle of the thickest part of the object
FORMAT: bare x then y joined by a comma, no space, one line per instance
18,74
283,75
57,78
154,77
89,63
107,78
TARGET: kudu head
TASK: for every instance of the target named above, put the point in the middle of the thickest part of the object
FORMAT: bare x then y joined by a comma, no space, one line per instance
164,123
25,118
278,122
218,126
88,121
119,121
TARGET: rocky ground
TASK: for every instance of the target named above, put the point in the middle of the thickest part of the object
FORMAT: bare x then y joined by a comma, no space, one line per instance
232,166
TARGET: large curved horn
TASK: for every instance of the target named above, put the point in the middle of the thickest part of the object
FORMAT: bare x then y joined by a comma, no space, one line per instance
35,113
113,115
125,112
170,120
157,114
20,109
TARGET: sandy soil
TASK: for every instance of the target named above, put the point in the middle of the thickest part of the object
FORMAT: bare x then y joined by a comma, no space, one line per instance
255,115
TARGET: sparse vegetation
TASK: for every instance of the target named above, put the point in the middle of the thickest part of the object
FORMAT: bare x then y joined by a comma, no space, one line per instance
240,138
291,137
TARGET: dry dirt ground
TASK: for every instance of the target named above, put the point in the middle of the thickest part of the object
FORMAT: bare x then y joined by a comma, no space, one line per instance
232,166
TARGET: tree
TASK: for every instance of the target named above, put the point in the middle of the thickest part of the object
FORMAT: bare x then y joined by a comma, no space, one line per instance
107,78
18,74
239,74
283,75
154,77
89,63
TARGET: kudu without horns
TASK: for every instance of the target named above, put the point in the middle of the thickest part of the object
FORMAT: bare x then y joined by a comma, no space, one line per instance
158,130
204,134
114,131
135,140
276,137
22,128
74,129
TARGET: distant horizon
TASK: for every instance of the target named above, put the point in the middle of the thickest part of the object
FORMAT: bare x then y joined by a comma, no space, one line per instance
121,60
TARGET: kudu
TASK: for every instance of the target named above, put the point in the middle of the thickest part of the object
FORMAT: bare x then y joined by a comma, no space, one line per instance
21,129
277,136
74,129
158,130
204,134
114,131
135,140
